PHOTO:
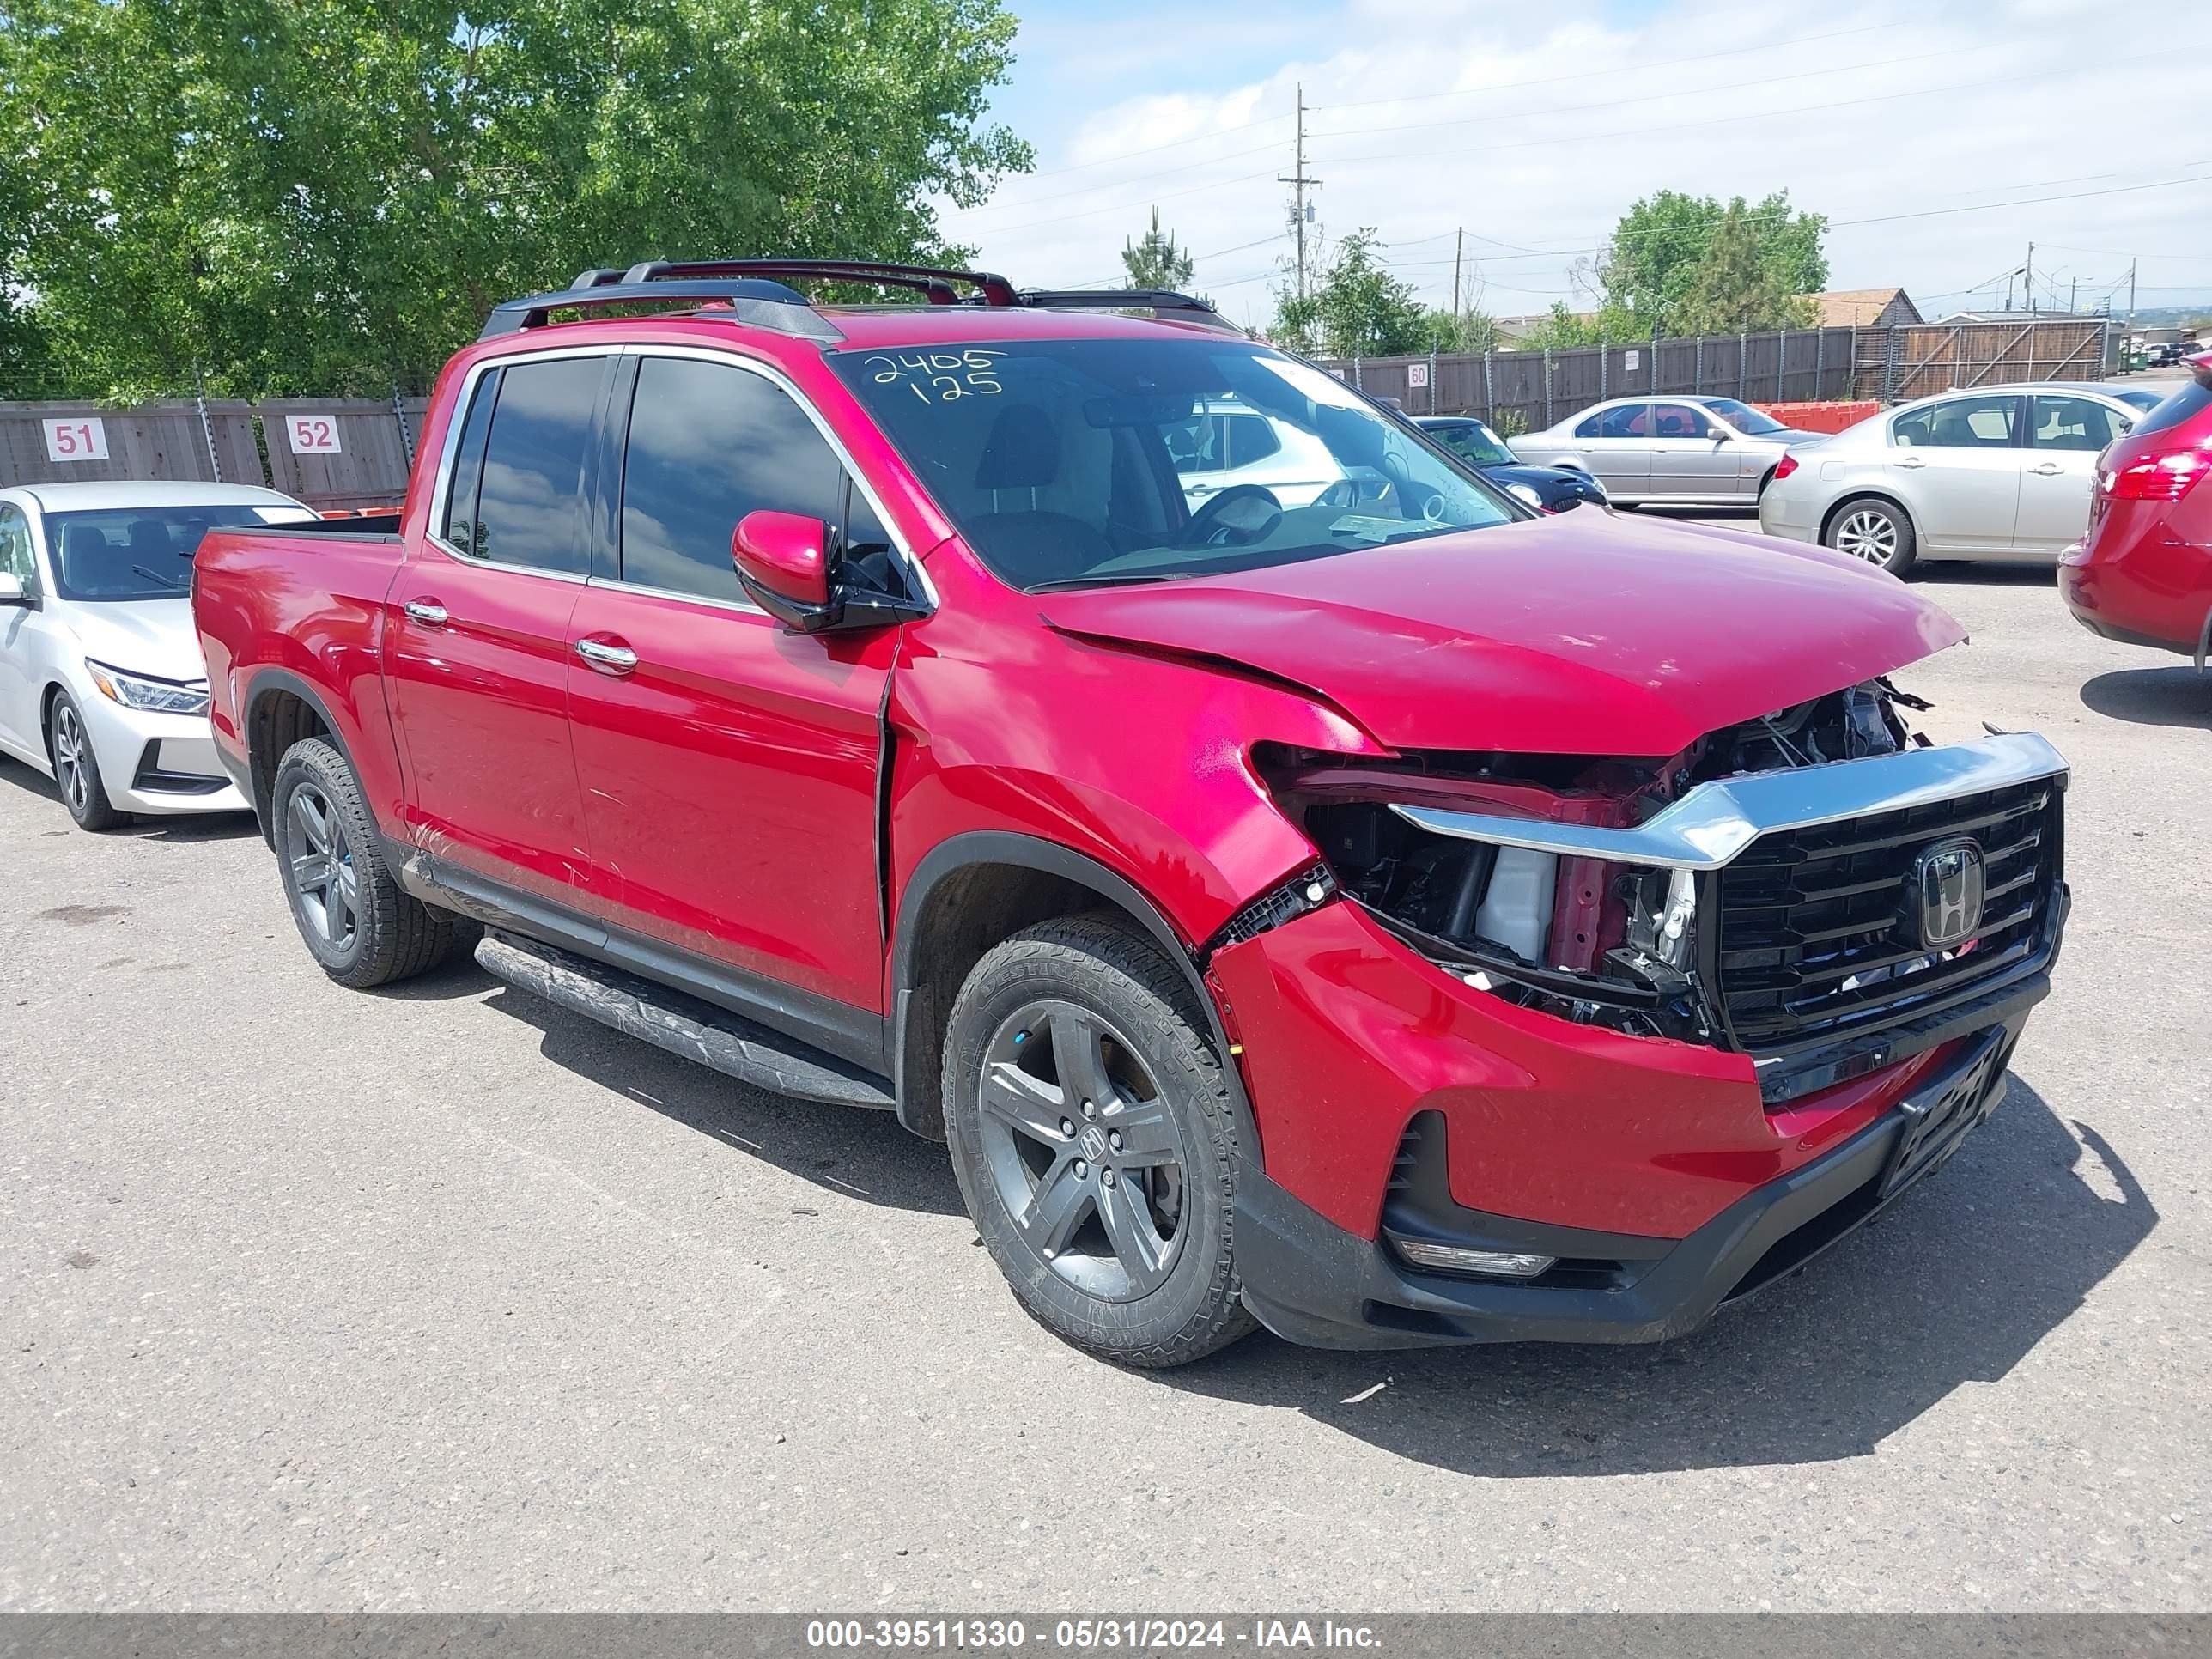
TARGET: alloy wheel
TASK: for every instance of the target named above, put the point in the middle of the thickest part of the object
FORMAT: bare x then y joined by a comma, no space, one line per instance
319,860
1085,1151
1867,534
71,751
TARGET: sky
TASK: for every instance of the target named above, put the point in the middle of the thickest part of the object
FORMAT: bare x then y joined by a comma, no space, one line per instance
1940,139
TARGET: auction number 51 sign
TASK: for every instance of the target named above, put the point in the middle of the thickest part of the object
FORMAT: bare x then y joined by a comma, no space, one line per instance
76,438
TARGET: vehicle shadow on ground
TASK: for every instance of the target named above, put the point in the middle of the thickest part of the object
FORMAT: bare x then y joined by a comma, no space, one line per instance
191,830
1980,572
2152,696
844,1149
1955,1285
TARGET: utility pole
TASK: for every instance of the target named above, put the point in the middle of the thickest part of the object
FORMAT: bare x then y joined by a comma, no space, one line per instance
2073,291
1301,215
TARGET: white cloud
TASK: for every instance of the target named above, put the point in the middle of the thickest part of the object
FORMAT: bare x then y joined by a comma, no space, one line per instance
1547,131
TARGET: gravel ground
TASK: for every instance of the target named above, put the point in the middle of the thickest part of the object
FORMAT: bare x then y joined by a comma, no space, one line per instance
442,1299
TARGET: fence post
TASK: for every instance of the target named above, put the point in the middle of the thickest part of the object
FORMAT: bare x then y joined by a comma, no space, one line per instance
1547,385
1489,391
1432,383
1698,366
1604,356
1356,381
406,433
1851,383
206,427
1820,365
1652,378
1743,364
1781,357
1889,366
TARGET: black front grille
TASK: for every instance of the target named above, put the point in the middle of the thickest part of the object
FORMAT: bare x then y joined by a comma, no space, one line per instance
1818,928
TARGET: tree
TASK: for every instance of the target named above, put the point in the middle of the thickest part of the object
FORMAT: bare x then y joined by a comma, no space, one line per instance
1609,325
1663,242
311,196
1463,331
1156,261
1357,310
1734,288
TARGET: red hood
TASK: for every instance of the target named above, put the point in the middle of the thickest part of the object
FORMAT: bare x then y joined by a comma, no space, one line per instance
1590,632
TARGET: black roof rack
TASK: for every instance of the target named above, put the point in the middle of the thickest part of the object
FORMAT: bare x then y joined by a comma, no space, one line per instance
1162,299
766,305
752,288
939,287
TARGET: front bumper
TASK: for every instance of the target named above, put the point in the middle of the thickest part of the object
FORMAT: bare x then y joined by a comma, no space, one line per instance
1313,1282
156,763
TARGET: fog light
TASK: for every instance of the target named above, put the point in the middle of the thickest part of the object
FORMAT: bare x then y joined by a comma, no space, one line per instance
1458,1259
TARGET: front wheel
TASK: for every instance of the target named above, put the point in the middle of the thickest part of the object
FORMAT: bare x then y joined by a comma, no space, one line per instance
1095,1141
76,769
1874,531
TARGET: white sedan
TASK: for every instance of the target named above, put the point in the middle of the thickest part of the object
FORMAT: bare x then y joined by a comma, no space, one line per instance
102,684
2001,473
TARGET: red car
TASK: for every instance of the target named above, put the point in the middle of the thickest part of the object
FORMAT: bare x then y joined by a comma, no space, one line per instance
1386,914
2143,573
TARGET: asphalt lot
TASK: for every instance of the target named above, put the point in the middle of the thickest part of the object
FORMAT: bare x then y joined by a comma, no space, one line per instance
443,1299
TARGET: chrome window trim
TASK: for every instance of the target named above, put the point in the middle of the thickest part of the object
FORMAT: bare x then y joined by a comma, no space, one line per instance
909,566
443,487
1715,822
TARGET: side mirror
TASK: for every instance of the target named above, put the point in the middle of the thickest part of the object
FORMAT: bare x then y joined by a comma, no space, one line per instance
12,591
784,564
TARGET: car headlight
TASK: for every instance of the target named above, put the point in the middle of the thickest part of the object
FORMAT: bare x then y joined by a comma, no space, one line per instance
1521,492
147,695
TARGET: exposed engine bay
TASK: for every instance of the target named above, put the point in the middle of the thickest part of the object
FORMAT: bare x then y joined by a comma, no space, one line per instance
1598,942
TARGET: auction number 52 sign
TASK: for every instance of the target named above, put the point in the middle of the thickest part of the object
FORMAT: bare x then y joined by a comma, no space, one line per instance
312,434
76,438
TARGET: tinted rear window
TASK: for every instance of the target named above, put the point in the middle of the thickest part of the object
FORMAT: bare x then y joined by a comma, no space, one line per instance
2185,405
533,468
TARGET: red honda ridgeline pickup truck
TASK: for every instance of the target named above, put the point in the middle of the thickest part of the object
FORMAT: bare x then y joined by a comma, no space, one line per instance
1350,902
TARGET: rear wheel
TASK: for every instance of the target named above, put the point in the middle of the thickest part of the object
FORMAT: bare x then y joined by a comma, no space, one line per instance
76,769
1875,531
1095,1142
355,918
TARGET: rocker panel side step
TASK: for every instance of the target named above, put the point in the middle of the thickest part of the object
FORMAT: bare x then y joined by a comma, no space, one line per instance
681,1025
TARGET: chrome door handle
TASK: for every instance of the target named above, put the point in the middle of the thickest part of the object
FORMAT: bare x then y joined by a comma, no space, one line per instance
428,612
1910,460
608,658
2046,469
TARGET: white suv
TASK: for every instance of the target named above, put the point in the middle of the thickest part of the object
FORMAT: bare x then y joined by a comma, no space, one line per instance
102,684
1231,443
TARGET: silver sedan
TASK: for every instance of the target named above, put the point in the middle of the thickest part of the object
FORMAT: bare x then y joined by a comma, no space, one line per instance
1997,474
1670,451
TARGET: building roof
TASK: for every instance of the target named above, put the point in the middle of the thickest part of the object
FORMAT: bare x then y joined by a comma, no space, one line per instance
1861,307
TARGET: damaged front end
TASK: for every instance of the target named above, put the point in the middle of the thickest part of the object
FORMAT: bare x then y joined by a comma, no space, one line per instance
1766,890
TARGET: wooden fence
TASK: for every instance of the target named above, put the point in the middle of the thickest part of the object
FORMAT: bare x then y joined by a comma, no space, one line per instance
329,453
355,452
1531,389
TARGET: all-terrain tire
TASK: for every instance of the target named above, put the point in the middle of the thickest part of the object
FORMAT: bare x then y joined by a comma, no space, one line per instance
323,830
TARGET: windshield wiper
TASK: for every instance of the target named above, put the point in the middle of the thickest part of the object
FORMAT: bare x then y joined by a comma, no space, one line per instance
169,582
1128,579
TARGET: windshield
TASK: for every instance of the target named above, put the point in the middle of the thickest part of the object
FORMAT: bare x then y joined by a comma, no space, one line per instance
122,553
1081,463
1473,443
1752,423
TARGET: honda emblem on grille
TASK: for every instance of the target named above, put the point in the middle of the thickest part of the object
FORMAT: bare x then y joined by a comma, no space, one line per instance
1947,878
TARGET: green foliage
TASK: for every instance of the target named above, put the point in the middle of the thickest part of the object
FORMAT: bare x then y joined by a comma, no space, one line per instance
1743,262
1156,261
1609,325
316,196
1735,287
1468,331
1357,310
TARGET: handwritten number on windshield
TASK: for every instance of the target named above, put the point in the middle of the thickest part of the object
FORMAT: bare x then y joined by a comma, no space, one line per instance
939,377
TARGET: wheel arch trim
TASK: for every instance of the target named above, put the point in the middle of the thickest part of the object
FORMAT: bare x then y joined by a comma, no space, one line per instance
973,849
265,683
